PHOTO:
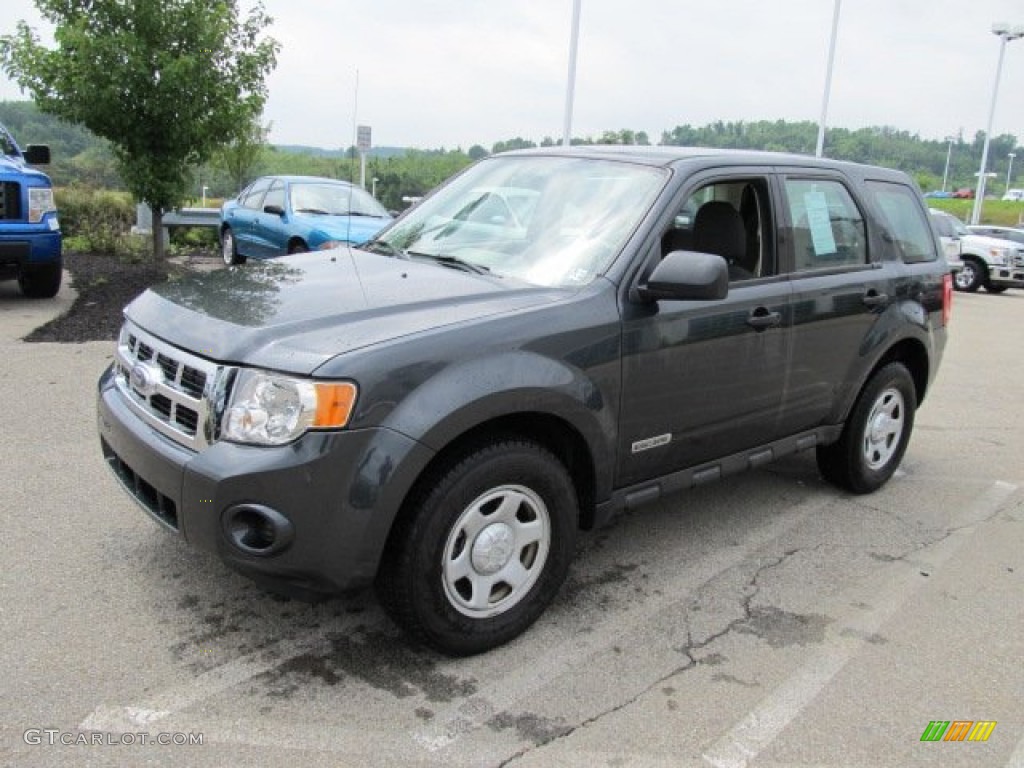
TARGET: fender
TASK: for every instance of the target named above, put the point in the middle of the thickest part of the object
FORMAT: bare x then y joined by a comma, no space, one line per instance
472,392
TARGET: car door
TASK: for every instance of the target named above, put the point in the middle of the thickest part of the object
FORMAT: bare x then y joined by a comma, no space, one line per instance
703,379
269,231
244,215
840,291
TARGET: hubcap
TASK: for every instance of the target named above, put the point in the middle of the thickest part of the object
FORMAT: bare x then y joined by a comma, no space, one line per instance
884,429
496,551
228,248
965,276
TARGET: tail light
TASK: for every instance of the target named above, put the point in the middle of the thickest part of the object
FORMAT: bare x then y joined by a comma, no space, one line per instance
947,298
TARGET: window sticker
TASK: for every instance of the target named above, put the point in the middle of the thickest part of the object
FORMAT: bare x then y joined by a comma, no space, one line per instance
819,223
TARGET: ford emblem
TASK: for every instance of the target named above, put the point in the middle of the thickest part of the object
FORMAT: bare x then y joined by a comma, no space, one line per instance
145,379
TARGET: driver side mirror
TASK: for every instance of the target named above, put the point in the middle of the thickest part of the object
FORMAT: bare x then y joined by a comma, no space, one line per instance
276,210
687,276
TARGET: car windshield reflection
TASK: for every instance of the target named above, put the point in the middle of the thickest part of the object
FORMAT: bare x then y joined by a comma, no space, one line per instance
551,221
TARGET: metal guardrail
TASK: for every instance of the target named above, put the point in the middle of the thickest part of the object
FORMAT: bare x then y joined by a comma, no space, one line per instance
192,217
183,217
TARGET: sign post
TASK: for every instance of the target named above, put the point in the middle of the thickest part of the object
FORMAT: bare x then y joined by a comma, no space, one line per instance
363,145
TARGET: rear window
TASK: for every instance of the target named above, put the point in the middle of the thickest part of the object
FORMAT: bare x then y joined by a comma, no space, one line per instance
905,220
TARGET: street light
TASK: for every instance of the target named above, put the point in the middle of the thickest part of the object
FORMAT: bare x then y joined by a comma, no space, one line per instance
949,153
1006,34
570,88
1009,170
828,80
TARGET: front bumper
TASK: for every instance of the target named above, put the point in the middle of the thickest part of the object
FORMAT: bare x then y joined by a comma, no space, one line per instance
339,491
1011,277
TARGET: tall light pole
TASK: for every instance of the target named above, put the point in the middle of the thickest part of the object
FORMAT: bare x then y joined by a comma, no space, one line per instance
570,88
828,80
949,154
1009,170
1006,34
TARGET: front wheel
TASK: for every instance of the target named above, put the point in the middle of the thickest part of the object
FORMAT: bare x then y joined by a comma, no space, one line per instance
41,281
970,278
876,433
483,549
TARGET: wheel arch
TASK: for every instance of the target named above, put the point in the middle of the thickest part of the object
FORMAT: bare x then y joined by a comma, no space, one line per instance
914,356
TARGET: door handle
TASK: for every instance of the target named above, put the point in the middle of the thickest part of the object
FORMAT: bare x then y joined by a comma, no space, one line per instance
874,299
761,319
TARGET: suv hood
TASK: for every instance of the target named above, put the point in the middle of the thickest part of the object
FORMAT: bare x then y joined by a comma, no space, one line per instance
295,313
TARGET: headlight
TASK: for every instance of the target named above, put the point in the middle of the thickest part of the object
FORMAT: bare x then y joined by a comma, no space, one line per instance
40,202
271,409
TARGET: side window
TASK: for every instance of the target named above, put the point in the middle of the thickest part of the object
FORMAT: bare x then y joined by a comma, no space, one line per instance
275,196
828,229
905,221
729,218
252,197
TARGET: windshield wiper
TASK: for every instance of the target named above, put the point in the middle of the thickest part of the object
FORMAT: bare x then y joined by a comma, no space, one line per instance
452,261
385,248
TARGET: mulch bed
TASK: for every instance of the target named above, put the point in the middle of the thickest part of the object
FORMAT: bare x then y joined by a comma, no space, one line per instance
105,284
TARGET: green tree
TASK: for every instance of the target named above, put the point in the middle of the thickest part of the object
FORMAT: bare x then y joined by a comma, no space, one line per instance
239,158
166,82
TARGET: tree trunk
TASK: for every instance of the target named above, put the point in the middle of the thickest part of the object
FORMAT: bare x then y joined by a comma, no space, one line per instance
158,235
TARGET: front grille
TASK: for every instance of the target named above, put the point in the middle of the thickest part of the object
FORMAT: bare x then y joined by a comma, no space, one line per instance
1018,257
172,390
159,505
10,201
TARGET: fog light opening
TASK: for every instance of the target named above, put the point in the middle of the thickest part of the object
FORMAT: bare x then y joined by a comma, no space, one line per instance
257,530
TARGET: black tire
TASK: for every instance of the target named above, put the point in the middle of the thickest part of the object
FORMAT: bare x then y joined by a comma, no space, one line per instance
876,434
41,281
973,275
229,248
297,246
516,502
994,288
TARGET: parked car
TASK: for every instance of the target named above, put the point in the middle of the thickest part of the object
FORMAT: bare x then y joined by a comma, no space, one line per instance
1016,234
948,228
964,193
938,193
547,340
1014,195
991,263
276,215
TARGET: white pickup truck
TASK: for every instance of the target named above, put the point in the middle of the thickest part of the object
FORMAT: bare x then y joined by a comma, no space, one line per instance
990,262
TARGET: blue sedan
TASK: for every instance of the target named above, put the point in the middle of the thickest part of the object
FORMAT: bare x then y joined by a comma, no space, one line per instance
276,215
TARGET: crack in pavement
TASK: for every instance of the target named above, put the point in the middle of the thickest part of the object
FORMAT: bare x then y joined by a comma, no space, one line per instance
751,589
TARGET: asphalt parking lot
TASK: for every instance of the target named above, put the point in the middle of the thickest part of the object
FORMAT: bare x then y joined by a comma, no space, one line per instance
767,621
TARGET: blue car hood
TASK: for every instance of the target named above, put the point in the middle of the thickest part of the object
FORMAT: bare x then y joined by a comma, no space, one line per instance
295,313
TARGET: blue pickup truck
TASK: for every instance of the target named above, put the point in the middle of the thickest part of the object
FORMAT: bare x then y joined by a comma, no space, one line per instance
30,241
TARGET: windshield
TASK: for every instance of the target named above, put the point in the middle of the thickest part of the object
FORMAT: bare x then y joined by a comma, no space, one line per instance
334,200
7,145
552,221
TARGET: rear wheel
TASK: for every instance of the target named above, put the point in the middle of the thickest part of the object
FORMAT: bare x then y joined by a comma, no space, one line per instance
484,549
229,248
41,281
876,434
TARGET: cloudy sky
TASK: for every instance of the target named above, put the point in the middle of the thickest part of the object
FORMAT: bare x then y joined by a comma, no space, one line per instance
454,73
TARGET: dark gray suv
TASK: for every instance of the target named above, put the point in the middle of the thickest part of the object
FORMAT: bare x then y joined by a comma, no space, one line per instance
550,338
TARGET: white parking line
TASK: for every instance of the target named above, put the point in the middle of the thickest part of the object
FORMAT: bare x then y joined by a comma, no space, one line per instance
124,719
751,735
